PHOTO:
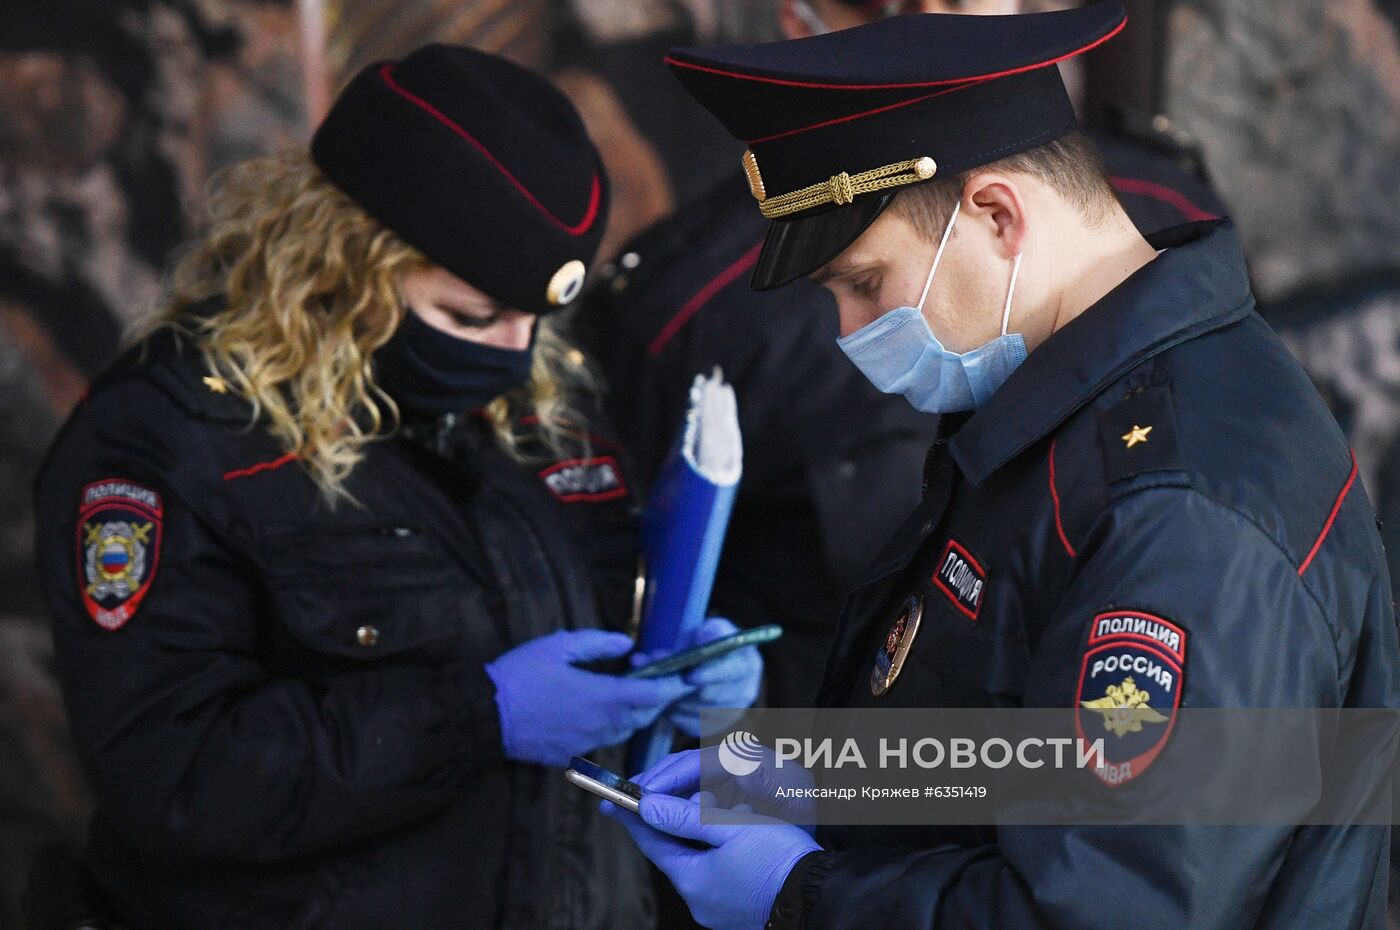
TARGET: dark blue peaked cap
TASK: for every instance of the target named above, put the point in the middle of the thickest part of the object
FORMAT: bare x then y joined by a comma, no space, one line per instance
837,124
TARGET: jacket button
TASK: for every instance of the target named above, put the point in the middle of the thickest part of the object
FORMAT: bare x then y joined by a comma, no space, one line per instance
367,636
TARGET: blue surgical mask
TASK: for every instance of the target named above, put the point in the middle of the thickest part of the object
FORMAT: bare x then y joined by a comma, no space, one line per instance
901,355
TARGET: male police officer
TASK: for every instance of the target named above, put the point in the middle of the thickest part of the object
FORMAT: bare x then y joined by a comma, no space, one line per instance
1140,452
831,466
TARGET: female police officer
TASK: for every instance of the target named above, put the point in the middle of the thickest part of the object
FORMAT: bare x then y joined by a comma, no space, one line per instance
317,629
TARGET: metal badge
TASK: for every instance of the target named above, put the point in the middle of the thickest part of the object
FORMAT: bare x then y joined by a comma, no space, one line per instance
566,283
889,661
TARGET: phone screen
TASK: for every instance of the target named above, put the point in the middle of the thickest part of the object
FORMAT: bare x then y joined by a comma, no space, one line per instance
591,776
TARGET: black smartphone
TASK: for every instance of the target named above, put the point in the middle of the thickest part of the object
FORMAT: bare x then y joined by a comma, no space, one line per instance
590,776
698,655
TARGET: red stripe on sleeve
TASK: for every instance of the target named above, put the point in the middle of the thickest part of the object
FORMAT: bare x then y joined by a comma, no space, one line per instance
1331,518
1055,499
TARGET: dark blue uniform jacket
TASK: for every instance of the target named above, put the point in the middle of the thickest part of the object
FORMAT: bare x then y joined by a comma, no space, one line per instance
1232,535
282,707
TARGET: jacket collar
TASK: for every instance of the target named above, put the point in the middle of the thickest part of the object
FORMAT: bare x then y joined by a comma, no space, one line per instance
1199,285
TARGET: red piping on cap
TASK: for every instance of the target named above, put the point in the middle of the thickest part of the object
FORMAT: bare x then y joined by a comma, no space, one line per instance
595,195
856,116
1172,198
738,75
1331,518
702,297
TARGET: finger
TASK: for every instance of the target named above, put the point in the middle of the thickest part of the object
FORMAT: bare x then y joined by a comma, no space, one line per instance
680,817
671,855
675,774
652,693
646,658
631,711
687,719
714,628
703,798
737,666
585,645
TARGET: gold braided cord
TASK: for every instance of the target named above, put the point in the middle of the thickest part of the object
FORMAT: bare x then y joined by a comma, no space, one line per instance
843,188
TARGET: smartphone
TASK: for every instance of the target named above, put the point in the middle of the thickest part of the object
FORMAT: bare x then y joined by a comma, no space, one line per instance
591,776
698,655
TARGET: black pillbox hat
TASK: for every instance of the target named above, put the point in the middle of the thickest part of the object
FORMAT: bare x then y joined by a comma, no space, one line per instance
480,164
837,124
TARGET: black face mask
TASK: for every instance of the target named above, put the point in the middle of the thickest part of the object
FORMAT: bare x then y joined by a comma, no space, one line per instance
428,371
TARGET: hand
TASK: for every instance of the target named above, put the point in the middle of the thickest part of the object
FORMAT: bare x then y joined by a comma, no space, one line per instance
770,790
730,681
731,885
551,710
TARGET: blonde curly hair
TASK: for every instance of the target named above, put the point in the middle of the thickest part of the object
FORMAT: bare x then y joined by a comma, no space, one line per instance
307,289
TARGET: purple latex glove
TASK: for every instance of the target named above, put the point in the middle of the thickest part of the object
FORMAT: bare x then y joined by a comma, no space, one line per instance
781,792
725,686
552,710
732,884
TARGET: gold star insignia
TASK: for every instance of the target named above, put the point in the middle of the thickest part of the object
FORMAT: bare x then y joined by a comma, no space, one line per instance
1137,435
216,384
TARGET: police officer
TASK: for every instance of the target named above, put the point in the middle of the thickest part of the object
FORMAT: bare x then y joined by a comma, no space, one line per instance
325,550
831,465
1125,446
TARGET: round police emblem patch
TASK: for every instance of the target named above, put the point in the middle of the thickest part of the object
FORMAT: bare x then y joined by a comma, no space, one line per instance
1129,690
889,660
119,531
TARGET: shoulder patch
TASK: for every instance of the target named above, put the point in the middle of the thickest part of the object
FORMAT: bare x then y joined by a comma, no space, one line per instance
119,536
1129,690
1138,434
962,578
590,480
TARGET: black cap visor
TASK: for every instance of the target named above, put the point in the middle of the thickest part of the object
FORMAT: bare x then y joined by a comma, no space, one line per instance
795,248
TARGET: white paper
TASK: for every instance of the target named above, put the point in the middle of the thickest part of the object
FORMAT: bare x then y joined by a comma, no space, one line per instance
713,445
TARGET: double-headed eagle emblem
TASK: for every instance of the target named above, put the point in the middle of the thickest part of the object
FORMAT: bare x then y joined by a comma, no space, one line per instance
1125,708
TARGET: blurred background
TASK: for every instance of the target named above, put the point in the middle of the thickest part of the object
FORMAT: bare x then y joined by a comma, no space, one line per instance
113,113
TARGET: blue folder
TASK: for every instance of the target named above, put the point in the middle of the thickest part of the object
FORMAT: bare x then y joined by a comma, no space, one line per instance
682,534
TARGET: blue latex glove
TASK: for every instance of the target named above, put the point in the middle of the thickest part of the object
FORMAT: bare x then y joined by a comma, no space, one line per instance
730,681
551,710
731,885
782,792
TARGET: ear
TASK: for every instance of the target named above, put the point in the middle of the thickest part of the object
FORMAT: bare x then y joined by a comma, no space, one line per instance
790,22
998,201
